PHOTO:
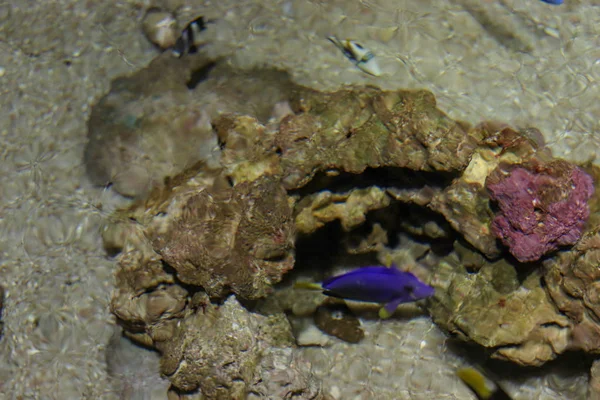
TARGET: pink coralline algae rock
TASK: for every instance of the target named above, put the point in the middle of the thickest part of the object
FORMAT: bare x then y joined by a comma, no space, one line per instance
542,206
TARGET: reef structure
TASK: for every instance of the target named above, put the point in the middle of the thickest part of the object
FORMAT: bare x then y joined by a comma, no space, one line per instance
378,163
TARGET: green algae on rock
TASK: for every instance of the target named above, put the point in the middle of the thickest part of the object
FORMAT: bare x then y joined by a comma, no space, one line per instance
369,128
516,321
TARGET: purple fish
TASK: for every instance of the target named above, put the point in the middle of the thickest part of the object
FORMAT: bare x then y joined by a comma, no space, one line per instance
388,286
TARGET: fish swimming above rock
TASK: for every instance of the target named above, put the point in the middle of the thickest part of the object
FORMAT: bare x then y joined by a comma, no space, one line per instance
555,2
187,43
388,286
362,58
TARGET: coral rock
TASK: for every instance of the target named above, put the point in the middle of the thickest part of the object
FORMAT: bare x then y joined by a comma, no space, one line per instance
227,352
157,122
369,129
350,208
542,206
491,308
573,282
594,385
238,239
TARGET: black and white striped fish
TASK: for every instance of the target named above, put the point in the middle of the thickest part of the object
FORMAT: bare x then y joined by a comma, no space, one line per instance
362,58
188,42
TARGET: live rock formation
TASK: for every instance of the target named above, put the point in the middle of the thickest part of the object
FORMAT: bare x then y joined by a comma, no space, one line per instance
377,165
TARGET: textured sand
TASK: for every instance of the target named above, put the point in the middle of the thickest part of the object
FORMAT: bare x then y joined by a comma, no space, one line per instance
533,65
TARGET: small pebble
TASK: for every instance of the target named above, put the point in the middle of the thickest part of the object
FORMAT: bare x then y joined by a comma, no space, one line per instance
160,27
337,320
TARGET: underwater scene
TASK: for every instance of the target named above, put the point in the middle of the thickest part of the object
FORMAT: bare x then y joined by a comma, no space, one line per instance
300,199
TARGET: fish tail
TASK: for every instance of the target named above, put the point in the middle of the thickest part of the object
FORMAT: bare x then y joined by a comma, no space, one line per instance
477,382
308,285
384,314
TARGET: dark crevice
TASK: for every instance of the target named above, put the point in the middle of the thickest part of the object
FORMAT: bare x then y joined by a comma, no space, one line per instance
191,289
200,75
384,177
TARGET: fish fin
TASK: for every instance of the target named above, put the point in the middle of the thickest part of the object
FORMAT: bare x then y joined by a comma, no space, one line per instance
308,285
384,314
369,66
477,382
388,310
336,41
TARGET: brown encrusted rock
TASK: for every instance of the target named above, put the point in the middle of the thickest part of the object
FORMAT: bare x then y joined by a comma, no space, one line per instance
199,230
369,128
157,122
147,301
573,282
466,207
226,352
224,240
594,384
518,322
248,151
346,131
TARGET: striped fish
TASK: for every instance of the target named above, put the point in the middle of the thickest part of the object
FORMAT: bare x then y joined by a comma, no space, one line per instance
362,58
188,42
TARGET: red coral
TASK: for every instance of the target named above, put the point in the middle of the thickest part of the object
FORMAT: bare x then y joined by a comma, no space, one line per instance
542,206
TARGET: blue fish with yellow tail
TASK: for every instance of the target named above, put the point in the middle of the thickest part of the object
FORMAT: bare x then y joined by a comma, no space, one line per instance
383,285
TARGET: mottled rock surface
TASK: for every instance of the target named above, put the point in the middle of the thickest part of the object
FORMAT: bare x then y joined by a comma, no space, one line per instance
377,164
573,280
157,122
238,239
369,128
516,321
226,352
543,206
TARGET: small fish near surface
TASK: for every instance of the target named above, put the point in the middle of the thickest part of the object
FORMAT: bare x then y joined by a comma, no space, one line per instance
484,388
188,42
554,2
388,286
362,58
